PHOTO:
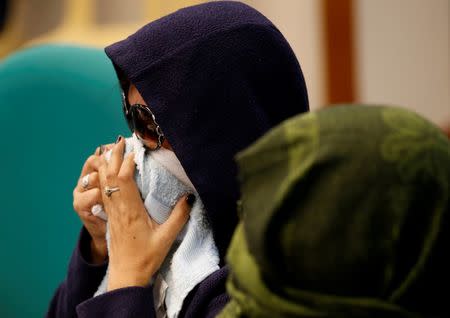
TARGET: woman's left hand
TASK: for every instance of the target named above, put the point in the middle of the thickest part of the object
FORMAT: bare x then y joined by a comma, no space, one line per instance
138,245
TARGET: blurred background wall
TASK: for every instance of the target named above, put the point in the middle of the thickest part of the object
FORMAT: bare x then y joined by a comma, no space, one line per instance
383,51
402,51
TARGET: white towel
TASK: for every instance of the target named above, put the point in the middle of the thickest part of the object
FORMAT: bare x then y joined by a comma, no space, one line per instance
162,181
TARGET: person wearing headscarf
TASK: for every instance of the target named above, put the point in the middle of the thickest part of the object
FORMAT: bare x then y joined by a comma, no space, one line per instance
344,213
203,82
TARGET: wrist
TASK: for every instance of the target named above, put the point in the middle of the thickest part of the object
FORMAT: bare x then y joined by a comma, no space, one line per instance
99,251
124,279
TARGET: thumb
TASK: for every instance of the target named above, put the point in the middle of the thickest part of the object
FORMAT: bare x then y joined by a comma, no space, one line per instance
178,217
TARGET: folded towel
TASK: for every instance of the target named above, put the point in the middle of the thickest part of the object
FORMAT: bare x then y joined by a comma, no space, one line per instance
194,256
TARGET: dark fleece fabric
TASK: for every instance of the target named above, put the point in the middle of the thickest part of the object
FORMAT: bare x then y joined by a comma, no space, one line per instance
217,76
74,296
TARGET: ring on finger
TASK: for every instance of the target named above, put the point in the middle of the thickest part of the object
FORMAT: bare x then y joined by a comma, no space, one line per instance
85,181
110,190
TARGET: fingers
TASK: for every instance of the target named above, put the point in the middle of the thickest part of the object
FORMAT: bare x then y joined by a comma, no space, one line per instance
102,149
116,157
102,170
83,201
178,217
94,182
92,164
128,166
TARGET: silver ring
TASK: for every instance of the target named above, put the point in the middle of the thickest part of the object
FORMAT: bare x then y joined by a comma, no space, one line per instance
85,181
109,191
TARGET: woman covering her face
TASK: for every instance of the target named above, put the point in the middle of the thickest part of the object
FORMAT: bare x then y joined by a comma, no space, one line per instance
345,213
203,82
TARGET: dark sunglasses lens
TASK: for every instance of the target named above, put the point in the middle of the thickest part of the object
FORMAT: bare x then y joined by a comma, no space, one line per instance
144,124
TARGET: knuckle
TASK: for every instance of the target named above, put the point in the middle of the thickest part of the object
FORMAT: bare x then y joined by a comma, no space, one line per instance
109,173
96,192
76,205
122,178
110,176
89,160
92,160
101,170
93,178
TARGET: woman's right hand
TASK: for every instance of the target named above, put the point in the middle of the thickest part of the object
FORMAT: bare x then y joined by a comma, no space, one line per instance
83,201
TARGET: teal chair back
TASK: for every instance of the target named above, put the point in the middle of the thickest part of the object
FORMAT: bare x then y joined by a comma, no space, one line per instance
57,104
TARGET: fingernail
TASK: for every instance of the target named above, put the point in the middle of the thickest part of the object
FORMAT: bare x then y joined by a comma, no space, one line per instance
102,149
119,138
190,199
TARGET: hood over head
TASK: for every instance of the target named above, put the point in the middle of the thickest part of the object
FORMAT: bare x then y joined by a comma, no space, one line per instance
345,213
217,76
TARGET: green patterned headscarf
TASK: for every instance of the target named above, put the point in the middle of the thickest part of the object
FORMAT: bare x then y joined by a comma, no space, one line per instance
344,213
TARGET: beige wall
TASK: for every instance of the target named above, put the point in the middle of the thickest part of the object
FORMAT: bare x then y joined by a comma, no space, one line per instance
300,22
401,46
403,52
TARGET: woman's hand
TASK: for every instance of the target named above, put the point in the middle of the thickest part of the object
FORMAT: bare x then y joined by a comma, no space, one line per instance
138,245
83,201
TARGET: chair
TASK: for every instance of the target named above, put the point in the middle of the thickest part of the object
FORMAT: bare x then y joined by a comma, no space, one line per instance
57,104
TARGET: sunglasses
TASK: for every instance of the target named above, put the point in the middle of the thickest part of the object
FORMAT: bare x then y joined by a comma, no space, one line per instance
142,121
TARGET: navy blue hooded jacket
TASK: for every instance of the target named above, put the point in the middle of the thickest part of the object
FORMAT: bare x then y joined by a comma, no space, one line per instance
217,76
